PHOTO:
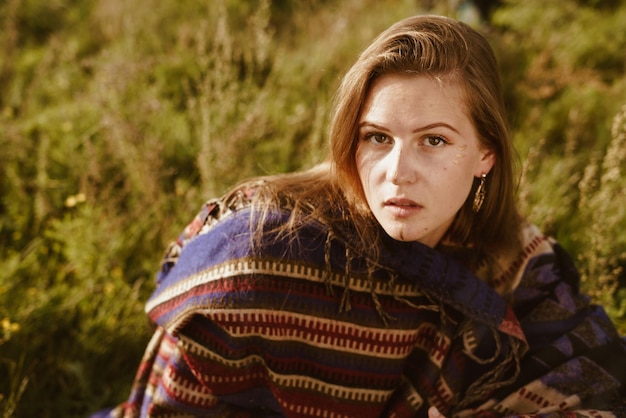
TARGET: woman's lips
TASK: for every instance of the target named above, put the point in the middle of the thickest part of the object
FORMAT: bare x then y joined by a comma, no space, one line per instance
402,207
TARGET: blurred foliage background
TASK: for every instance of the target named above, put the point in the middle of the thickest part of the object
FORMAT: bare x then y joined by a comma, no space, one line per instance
119,118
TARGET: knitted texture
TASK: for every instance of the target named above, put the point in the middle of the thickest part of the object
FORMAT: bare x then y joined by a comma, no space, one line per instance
246,329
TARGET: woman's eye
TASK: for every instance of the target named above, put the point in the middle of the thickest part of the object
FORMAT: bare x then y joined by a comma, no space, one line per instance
434,141
377,138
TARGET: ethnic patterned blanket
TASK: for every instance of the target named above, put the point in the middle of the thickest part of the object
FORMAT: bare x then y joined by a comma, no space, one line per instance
304,327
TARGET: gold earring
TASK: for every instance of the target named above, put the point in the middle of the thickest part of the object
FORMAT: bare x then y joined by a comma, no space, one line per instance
479,197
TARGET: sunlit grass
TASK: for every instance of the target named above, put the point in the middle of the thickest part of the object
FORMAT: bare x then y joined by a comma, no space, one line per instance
117,119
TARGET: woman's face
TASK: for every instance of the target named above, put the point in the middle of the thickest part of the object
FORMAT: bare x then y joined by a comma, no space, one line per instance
417,155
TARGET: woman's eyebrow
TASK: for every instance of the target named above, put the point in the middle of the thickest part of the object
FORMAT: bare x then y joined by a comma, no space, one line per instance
436,125
367,124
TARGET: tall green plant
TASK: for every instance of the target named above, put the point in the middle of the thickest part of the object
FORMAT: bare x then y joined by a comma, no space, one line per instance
602,196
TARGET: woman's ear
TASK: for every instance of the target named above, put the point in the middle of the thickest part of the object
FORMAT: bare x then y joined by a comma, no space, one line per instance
487,160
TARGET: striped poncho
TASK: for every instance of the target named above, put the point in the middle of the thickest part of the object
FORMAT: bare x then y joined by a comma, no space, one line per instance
304,327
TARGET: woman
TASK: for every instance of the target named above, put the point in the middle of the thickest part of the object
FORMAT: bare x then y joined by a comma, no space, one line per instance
395,280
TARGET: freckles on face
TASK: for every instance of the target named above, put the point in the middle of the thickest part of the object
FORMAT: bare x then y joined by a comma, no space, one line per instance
417,155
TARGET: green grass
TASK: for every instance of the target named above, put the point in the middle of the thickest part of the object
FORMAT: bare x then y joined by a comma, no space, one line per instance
118,119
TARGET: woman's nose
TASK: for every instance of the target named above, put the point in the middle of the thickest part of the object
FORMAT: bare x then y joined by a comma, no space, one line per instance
402,167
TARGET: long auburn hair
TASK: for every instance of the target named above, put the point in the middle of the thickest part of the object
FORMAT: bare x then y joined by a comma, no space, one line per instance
426,45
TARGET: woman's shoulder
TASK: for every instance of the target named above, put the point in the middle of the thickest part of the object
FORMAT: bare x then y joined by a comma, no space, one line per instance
212,212
253,215
508,270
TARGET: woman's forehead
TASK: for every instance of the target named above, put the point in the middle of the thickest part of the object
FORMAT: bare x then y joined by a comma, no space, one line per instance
407,93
